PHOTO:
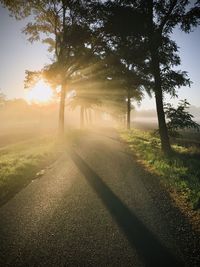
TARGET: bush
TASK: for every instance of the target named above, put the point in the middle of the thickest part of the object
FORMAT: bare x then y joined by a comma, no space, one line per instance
179,118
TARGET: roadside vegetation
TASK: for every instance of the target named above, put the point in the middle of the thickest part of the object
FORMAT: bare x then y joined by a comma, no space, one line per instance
22,162
178,171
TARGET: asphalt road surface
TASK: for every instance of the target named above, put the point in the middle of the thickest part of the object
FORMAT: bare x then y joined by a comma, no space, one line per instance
91,208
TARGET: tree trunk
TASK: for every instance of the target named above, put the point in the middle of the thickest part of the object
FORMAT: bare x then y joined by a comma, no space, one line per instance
81,117
90,116
86,115
155,38
62,109
128,110
165,144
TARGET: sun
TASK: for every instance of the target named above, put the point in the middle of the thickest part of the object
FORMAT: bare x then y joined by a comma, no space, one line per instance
41,93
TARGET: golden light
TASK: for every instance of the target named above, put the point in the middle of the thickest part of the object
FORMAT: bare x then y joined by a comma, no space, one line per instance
41,93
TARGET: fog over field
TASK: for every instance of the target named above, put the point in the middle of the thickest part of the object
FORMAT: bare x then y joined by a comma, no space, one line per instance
21,121
148,118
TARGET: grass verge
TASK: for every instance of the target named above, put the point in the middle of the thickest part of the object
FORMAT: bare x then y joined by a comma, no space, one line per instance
180,171
20,163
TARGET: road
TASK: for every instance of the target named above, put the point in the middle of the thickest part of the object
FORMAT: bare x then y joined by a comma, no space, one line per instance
90,208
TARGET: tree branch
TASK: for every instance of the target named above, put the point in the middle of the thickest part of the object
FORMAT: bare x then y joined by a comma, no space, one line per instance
166,17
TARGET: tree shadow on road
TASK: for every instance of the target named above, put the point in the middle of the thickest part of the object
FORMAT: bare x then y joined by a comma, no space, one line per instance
152,252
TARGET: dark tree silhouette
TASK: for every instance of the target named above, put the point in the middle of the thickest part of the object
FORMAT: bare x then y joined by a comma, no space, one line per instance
65,26
143,29
179,118
163,17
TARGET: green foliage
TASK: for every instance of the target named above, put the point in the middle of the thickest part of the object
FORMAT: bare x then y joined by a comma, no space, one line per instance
179,118
179,171
20,163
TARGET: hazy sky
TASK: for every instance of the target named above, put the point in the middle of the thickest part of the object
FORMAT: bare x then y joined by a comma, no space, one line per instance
17,55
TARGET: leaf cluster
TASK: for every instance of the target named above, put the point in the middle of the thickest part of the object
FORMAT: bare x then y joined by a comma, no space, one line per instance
180,118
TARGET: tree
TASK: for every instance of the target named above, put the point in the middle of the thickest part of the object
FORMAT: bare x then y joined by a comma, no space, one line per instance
143,29
86,103
179,118
128,83
163,17
65,27
122,28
